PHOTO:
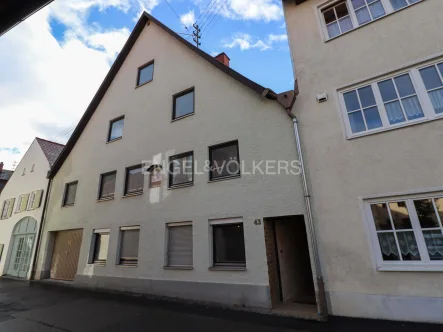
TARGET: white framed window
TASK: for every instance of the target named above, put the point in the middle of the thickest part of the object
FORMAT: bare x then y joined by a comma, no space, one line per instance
180,245
100,246
406,98
407,232
345,15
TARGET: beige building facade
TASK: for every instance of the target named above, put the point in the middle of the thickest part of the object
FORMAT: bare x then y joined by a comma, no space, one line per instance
199,235
370,78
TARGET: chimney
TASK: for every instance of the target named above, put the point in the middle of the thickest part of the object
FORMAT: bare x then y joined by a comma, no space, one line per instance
223,58
1,167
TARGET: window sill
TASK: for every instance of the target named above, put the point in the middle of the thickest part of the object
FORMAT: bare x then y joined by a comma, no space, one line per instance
326,40
139,193
115,139
127,266
67,205
138,86
227,268
98,264
420,267
178,186
183,116
178,267
225,178
105,199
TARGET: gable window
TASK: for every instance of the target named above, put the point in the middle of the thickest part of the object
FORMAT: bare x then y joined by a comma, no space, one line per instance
228,243
116,129
24,171
179,245
396,101
145,73
100,247
337,19
134,180
407,231
181,169
35,200
183,104
224,160
129,240
345,15
70,193
8,206
107,185
433,79
32,168
22,203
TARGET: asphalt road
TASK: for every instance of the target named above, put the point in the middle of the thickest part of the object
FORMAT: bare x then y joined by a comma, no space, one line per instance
37,307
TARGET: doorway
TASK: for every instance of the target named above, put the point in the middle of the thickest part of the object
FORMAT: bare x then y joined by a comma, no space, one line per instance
22,245
290,274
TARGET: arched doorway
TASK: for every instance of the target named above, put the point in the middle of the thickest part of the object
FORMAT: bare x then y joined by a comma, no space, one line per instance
22,244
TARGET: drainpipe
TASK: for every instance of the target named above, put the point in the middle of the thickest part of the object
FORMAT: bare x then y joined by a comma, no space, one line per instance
287,100
40,230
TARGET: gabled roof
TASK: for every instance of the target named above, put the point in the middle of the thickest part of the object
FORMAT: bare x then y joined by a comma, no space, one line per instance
144,20
51,150
5,174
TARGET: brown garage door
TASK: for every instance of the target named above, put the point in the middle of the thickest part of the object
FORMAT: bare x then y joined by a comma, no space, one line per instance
65,255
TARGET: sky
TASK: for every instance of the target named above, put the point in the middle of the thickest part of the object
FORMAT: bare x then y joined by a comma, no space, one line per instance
52,64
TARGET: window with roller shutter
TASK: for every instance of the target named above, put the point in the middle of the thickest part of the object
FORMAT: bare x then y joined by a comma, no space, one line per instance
129,240
180,245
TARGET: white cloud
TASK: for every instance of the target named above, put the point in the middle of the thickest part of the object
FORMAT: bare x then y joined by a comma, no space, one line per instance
188,19
111,41
266,10
246,42
277,38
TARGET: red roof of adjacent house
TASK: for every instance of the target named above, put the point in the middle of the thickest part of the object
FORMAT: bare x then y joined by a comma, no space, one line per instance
51,150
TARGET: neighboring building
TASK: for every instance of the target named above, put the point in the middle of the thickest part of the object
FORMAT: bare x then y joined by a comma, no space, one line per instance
21,208
5,175
374,150
199,235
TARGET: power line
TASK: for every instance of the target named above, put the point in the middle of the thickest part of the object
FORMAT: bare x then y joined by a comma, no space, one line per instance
205,16
215,15
176,14
201,13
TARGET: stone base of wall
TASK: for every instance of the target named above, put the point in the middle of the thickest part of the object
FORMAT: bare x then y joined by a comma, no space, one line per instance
250,296
399,308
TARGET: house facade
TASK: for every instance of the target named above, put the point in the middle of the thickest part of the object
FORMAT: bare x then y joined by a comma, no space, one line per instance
370,78
21,204
147,196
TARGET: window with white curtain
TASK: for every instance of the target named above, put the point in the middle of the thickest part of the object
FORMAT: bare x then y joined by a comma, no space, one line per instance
407,232
345,15
390,102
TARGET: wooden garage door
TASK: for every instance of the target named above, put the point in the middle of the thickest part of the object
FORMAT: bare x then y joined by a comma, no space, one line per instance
65,255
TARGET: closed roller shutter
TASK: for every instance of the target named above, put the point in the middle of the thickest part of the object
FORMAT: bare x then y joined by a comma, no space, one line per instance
180,246
65,255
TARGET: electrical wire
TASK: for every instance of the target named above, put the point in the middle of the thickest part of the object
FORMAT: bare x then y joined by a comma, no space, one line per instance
215,15
201,13
205,17
176,14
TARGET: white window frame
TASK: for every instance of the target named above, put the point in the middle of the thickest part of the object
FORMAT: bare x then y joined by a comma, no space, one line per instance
93,244
385,3
420,90
425,264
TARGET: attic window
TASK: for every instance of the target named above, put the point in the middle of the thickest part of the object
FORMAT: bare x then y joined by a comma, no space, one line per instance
183,104
32,168
145,73
24,171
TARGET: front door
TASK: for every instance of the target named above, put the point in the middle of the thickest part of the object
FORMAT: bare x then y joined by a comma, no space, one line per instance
65,255
21,255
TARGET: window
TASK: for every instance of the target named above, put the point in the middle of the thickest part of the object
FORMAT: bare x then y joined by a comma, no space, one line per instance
183,104
32,168
70,192
8,205
367,10
396,101
145,73
337,19
107,185
398,4
433,79
35,200
224,160
24,171
181,169
116,129
129,240
228,244
22,203
179,244
345,15
134,180
408,231
101,245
